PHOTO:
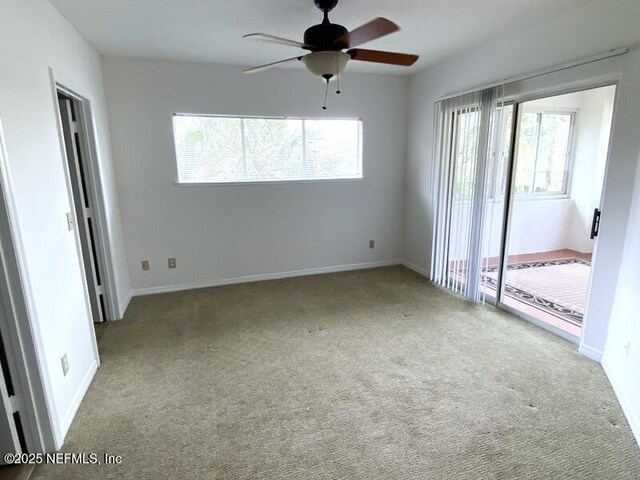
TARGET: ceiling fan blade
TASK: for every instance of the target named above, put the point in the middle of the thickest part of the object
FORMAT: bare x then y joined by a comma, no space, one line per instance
271,65
376,28
377,56
265,37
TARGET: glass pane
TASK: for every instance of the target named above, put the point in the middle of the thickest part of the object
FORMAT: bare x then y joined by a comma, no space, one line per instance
505,114
333,148
552,153
273,150
494,206
213,149
207,148
526,155
547,267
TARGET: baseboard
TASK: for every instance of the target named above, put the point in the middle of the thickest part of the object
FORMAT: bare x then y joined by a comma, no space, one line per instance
415,268
625,402
590,352
262,277
124,305
75,404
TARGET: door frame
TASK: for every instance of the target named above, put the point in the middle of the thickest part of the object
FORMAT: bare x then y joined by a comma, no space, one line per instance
76,153
95,190
518,100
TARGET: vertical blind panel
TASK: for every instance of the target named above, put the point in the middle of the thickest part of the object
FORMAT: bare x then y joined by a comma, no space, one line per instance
212,149
467,148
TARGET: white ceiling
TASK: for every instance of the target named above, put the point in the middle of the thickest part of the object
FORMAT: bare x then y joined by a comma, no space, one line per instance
211,30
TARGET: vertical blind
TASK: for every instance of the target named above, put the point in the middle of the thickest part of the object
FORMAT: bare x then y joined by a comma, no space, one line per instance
471,136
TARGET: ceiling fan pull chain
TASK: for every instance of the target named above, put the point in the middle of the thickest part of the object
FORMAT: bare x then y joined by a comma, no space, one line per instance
326,90
337,76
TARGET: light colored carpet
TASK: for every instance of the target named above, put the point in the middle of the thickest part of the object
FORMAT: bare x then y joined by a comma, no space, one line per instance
363,375
16,472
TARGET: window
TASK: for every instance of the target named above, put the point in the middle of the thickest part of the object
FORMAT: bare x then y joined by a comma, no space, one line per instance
215,149
543,153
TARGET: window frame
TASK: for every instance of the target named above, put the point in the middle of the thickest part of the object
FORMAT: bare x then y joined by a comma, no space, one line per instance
496,195
564,193
246,183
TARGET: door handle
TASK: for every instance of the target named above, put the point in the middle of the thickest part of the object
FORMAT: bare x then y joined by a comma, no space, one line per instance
595,223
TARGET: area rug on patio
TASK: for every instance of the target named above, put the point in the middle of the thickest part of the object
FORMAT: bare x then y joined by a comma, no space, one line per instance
558,287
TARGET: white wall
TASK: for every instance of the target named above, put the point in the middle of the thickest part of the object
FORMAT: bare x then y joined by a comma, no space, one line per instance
219,233
622,353
615,24
536,226
34,37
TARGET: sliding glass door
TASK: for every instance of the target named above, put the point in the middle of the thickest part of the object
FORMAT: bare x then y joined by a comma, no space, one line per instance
555,184
517,190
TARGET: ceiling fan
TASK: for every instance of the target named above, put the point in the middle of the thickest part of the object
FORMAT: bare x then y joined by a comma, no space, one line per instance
326,42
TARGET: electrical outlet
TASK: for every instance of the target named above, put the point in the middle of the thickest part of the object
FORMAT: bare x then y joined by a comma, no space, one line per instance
172,263
65,364
145,265
372,244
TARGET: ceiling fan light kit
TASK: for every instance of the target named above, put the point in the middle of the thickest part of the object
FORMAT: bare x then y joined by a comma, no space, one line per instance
326,42
326,64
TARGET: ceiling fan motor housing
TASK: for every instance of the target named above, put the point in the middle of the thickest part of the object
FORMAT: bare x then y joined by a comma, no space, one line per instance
324,36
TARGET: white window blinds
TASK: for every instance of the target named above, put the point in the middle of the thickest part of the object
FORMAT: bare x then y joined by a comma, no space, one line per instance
214,149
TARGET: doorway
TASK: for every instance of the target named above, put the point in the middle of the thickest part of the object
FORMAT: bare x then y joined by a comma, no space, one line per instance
519,181
553,188
75,131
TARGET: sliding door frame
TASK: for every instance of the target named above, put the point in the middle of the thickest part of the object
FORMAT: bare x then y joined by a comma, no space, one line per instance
518,100
508,199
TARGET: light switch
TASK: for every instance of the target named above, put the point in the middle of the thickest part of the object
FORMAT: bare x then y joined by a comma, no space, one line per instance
70,221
